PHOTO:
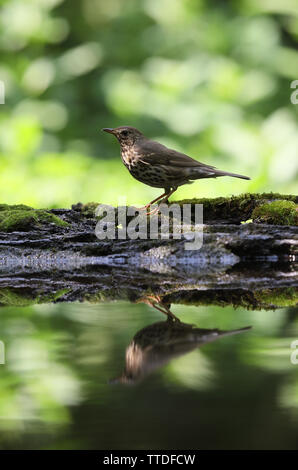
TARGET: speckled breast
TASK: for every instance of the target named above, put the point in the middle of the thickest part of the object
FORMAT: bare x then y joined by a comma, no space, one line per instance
151,175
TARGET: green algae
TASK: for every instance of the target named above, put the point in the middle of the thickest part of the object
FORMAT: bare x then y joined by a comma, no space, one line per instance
281,212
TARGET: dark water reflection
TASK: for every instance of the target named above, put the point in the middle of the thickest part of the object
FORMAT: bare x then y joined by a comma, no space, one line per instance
157,344
240,391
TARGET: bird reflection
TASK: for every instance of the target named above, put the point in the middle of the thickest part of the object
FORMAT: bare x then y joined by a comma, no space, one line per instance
159,343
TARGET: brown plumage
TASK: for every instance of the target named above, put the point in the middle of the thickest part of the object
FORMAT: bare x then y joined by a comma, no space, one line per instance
156,165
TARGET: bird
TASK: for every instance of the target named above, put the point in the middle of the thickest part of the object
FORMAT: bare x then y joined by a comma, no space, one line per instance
156,345
158,166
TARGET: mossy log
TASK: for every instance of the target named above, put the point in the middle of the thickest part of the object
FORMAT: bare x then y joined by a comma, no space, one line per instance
54,255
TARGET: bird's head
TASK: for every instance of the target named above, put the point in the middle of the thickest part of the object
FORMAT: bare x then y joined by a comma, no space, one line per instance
126,135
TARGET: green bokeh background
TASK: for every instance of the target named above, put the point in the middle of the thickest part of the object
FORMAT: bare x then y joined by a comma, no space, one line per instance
211,79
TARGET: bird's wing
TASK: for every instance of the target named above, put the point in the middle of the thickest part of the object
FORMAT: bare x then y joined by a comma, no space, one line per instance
154,153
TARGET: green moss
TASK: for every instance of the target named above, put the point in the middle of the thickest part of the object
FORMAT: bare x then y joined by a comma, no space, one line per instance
24,218
236,208
6,207
87,210
282,297
264,299
107,295
11,297
240,207
241,200
94,298
277,213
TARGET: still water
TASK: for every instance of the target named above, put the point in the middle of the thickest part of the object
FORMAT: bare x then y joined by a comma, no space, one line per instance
71,380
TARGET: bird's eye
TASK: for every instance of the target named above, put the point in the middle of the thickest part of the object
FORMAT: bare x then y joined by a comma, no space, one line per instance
124,133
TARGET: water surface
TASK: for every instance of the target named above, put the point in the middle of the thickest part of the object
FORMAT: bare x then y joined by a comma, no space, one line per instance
58,387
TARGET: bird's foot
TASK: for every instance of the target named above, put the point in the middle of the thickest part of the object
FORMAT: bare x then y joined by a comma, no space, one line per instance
153,211
157,208
148,211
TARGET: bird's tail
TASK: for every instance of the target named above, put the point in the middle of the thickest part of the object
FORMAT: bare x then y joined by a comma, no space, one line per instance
234,332
227,173
208,336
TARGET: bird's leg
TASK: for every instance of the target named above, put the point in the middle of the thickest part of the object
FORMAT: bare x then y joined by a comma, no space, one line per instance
155,200
166,199
153,212
165,196
156,302
166,311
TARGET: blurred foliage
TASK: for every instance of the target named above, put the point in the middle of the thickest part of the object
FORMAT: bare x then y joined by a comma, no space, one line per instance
209,78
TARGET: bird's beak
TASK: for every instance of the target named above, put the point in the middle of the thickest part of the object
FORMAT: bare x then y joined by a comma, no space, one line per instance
108,129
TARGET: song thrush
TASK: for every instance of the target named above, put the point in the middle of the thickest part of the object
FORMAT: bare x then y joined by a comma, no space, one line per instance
156,345
156,165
